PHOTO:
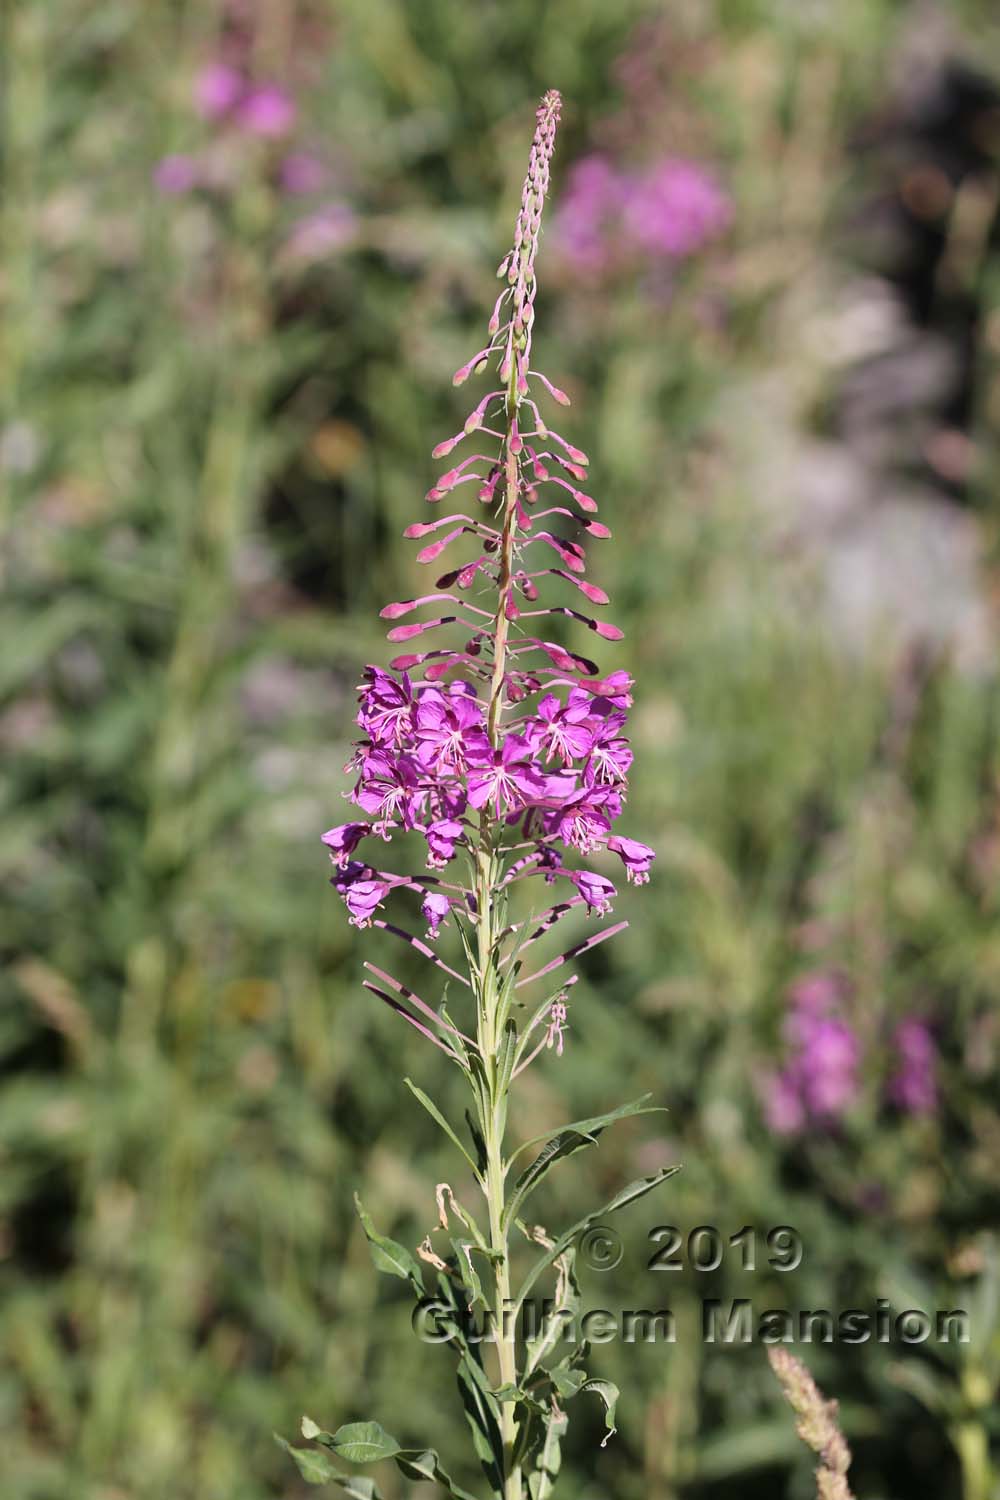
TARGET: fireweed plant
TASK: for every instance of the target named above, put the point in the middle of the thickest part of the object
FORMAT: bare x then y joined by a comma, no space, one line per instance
507,753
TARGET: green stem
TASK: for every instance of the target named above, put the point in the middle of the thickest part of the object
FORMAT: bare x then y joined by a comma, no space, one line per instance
494,1114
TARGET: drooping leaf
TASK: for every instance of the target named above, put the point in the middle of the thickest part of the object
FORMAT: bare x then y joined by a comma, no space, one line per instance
629,1194
387,1254
540,1346
510,1392
415,1463
564,1143
316,1468
609,1393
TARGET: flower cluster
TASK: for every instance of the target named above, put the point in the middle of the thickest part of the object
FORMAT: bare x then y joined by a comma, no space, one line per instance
502,740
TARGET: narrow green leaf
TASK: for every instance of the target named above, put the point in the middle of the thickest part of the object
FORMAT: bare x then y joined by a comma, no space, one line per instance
549,1460
437,1116
596,1123
564,1143
506,1054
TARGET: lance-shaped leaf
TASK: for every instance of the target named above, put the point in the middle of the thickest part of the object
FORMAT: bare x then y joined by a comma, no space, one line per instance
387,1254
549,1460
436,1115
629,1194
594,1124
563,1144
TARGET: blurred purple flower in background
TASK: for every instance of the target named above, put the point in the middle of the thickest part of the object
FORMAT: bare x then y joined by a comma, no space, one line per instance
302,172
819,1081
913,1086
268,111
591,205
175,174
671,210
676,208
318,234
217,88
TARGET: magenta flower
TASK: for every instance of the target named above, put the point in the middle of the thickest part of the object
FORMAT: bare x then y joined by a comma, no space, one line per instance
268,111
636,858
442,837
590,215
448,728
784,1109
343,840
596,890
562,730
363,892
435,909
506,777
217,89
819,1083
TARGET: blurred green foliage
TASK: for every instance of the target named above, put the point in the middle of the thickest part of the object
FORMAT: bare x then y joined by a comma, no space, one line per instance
209,450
